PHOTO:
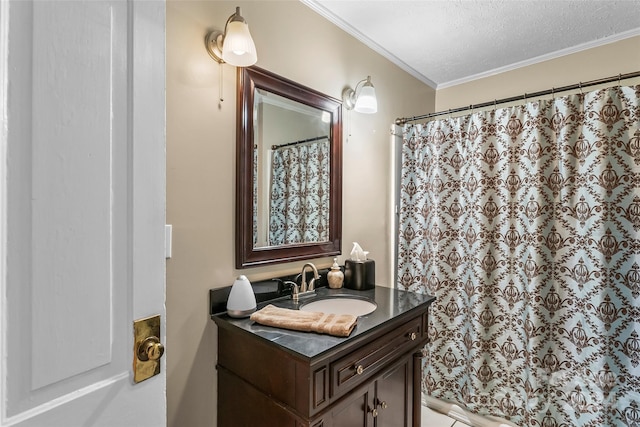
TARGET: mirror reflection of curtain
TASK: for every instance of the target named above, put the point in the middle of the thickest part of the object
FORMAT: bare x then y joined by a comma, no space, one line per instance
255,194
299,205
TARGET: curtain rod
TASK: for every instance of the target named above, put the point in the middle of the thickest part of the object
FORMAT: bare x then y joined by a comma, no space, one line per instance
302,141
618,78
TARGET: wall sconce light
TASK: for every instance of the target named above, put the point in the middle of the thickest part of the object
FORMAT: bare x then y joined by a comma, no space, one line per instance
235,46
362,100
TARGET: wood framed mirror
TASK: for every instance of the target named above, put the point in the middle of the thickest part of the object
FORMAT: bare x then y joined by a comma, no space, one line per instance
288,171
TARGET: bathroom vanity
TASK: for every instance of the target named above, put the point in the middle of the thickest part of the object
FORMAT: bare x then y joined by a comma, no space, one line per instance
277,377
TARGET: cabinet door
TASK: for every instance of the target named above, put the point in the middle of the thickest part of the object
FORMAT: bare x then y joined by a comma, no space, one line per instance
354,410
394,395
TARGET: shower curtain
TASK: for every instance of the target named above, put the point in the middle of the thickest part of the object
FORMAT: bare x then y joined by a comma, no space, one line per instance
524,222
299,207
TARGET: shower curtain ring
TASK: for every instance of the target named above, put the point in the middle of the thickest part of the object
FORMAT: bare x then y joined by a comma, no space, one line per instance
580,86
619,78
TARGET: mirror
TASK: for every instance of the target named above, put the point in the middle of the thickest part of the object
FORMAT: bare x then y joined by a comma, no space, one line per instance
288,166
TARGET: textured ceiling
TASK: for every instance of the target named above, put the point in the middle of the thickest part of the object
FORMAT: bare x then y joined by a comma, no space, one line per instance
444,43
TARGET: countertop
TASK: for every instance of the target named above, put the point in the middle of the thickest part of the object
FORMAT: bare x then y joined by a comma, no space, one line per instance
392,304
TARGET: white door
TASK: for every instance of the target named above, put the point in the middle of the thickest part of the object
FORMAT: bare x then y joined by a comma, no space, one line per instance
82,209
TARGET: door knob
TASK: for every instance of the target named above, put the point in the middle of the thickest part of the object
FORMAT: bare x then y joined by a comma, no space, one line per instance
150,349
147,348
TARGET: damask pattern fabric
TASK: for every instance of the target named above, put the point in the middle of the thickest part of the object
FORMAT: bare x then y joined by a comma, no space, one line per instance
524,222
299,210
255,196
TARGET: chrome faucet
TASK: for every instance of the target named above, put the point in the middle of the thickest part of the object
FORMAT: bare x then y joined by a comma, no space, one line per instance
303,285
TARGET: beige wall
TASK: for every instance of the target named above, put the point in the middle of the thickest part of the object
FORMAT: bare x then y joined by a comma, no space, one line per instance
607,60
297,43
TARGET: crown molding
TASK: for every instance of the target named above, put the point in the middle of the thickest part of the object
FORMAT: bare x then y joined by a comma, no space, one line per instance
542,58
340,23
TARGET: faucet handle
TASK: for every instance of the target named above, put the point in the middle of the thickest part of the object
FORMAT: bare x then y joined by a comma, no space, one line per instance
312,284
295,290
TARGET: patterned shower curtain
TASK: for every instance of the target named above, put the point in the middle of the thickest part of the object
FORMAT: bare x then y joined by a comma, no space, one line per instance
524,222
299,209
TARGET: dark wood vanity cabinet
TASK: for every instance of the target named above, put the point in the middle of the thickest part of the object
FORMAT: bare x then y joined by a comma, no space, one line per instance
370,380
385,401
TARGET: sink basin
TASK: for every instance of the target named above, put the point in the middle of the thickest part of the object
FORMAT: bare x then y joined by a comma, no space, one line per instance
357,306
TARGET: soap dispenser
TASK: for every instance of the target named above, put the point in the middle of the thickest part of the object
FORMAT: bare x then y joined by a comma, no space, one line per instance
335,276
242,300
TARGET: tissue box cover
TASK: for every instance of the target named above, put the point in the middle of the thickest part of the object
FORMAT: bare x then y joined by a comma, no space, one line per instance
359,275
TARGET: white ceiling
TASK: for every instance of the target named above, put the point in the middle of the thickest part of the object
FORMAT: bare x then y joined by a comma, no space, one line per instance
448,42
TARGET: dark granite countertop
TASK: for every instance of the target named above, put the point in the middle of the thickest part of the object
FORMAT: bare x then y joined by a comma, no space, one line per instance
392,303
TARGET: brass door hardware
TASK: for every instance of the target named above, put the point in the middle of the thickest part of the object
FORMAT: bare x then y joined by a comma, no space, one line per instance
150,349
147,349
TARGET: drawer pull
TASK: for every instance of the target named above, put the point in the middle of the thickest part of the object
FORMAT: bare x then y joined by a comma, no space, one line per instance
384,405
359,369
413,336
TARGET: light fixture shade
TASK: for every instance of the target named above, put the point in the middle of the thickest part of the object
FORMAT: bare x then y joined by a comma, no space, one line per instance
238,47
362,98
366,101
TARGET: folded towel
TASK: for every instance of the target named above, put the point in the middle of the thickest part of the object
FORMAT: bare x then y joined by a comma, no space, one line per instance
339,325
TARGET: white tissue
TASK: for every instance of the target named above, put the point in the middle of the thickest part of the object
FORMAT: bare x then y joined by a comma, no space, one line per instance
357,254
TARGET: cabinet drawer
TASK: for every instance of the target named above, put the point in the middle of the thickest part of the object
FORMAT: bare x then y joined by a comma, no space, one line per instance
359,365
